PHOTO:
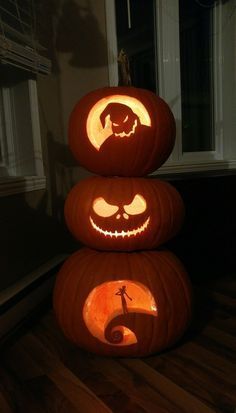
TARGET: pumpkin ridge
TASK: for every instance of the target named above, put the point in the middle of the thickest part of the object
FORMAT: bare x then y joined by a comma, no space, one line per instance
133,157
170,209
160,208
122,133
153,332
156,269
92,268
80,281
122,231
176,222
177,273
183,281
167,114
83,279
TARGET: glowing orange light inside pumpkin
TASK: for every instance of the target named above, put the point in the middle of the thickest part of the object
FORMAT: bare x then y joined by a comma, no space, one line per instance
97,134
103,209
137,206
113,298
130,233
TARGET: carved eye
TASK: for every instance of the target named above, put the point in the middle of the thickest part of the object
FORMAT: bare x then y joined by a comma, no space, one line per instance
103,209
125,120
137,206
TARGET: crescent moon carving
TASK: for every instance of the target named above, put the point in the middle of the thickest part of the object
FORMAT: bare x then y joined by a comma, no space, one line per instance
117,301
99,130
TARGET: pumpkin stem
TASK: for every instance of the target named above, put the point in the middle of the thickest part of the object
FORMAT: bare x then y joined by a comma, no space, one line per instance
124,69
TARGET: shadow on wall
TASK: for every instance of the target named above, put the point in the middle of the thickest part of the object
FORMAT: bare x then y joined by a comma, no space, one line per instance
29,237
64,172
66,27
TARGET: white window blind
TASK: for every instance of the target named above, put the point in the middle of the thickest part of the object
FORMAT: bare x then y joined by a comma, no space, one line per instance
18,42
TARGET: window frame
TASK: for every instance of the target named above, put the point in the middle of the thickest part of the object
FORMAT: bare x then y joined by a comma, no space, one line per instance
21,158
16,181
169,86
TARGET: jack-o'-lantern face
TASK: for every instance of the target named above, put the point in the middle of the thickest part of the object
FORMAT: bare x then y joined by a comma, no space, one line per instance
121,131
123,214
120,118
120,220
116,116
123,122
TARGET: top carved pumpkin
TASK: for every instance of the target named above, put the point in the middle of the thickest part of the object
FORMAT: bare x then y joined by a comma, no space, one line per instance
121,131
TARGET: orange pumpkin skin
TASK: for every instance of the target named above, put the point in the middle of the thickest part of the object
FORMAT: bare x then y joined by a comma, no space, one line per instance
109,135
97,275
140,213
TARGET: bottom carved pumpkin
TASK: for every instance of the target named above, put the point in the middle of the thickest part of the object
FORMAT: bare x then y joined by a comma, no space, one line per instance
123,304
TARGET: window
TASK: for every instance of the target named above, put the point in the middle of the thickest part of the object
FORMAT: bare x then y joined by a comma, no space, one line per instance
190,55
21,60
197,82
135,34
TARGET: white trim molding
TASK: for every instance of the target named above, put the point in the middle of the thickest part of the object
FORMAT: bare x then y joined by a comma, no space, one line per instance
223,155
19,303
197,166
16,185
22,168
112,51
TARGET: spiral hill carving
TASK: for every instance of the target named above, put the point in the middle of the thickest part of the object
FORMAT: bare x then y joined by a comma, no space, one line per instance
113,306
114,336
122,329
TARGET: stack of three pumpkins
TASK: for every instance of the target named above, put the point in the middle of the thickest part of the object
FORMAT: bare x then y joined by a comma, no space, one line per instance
119,296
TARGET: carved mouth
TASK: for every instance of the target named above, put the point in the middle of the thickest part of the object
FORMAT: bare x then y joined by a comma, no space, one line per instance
122,234
122,134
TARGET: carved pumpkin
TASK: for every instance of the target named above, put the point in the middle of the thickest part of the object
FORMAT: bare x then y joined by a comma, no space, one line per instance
121,131
123,213
123,304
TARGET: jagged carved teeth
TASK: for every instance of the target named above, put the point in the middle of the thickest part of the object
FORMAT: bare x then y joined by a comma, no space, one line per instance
122,134
123,234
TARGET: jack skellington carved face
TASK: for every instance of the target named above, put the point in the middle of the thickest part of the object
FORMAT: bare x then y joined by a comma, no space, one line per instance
119,221
123,214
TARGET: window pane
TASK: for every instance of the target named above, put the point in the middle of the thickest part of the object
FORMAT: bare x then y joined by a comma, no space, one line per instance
196,75
137,39
3,149
1,129
17,15
16,133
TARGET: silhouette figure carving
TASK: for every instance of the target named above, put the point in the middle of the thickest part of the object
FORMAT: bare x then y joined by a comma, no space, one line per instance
121,120
123,294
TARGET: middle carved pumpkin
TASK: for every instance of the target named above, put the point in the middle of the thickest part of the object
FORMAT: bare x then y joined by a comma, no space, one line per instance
123,214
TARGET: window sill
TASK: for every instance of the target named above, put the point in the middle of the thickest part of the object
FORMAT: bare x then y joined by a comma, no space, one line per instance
203,168
17,185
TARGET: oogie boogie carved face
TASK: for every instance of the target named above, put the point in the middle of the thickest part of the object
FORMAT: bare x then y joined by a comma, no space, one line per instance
116,117
119,220
121,131
121,119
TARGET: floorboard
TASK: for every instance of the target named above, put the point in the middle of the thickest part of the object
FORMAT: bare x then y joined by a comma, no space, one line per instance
41,371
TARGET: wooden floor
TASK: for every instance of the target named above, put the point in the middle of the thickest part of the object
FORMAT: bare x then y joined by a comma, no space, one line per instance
42,372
